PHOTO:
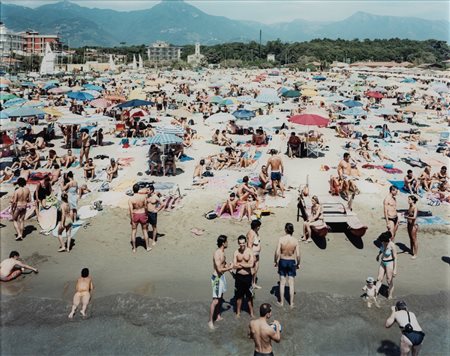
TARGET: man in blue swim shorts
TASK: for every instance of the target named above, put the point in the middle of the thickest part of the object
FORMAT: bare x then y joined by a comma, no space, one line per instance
287,259
275,166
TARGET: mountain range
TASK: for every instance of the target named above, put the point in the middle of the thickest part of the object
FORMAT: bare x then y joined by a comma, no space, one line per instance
180,23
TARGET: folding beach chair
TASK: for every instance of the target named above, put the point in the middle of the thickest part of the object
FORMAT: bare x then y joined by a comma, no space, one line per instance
312,147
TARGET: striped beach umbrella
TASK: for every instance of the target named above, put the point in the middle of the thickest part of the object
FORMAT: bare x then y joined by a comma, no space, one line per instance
14,102
24,111
170,129
100,103
164,139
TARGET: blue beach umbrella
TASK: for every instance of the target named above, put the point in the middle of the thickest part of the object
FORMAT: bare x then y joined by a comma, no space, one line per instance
80,96
133,103
352,103
291,94
4,115
24,111
164,139
244,114
216,99
14,102
93,87
355,111
319,78
170,129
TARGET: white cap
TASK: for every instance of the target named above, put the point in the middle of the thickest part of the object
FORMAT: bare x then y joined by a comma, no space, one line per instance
370,280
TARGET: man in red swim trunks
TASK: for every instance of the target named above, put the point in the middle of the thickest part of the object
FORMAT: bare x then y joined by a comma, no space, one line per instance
12,268
138,215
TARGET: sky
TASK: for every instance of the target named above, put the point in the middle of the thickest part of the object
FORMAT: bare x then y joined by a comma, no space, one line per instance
272,11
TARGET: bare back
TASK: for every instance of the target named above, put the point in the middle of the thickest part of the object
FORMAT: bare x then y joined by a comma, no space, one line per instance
275,163
21,196
138,203
288,247
262,334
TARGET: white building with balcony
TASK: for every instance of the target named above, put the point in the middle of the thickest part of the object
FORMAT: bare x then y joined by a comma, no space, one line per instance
10,42
162,51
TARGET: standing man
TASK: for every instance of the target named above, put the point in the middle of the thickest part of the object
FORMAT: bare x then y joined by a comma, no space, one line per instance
276,169
344,171
390,211
137,206
263,333
153,207
287,259
19,201
412,334
243,263
85,145
218,280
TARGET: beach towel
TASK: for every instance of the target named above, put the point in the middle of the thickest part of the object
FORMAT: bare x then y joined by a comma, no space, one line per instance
253,181
236,213
400,185
387,170
36,177
6,213
414,162
125,161
75,228
185,158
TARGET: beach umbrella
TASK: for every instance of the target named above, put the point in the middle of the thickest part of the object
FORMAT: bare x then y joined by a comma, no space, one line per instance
355,111
408,80
170,129
352,103
244,114
94,93
28,84
309,120
93,87
115,97
80,96
384,111
4,115
12,125
99,103
215,85
228,101
319,78
6,96
134,103
262,121
52,111
309,92
374,94
59,90
76,120
164,139
291,94
217,99
24,111
137,112
49,86
14,102
181,98
5,81
220,118
180,113
3,86
137,94
34,103
268,96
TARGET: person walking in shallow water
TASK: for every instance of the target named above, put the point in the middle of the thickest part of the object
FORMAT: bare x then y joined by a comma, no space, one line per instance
264,333
82,295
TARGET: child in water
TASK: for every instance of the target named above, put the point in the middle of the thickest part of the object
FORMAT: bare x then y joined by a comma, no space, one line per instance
370,293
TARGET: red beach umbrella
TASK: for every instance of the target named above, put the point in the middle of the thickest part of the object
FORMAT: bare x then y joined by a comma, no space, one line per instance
309,120
374,94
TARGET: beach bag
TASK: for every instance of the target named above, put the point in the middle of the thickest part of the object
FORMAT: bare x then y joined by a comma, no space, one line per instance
208,174
210,215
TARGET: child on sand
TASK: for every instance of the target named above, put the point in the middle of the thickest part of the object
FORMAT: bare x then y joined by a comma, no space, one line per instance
370,293
83,293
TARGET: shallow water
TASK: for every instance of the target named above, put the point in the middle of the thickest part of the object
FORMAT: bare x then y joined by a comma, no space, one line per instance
123,324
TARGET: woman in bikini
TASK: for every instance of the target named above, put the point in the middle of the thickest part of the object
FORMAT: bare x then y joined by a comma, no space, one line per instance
388,262
85,146
254,243
315,219
65,224
411,217
83,288
425,179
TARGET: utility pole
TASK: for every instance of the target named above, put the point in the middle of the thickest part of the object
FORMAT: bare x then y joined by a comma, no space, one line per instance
260,37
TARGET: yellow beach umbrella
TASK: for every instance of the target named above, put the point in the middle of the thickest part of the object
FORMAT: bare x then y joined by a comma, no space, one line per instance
52,111
137,94
309,92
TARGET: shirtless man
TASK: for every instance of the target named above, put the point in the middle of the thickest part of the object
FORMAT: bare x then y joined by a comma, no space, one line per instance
83,289
390,211
85,146
137,206
245,190
19,201
218,280
411,184
263,333
344,171
153,207
12,267
287,259
55,174
412,334
31,161
243,261
89,169
198,178
68,159
276,169
364,148
441,177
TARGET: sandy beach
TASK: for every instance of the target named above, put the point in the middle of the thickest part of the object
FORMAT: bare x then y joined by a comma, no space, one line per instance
158,302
